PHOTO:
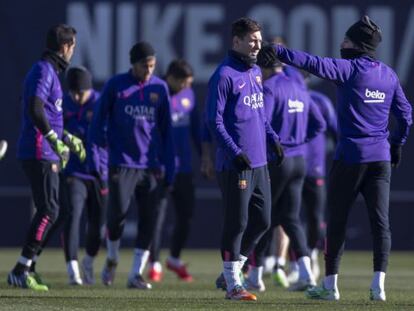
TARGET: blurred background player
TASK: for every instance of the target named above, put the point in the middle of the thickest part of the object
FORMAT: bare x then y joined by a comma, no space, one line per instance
368,90
314,191
133,119
236,118
314,187
80,188
277,250
295,119
185,128
41,147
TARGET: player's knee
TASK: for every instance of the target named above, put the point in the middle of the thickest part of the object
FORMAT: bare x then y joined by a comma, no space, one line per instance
381,232
52,215
265,224
236,227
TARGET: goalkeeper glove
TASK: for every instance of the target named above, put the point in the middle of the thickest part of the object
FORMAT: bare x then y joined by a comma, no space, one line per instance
396,152
75,145
267,57
58,147
280,154
242,162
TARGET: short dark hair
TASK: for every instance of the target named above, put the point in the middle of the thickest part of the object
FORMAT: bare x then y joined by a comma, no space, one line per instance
244,25
59,35
140,51
180,69
78,79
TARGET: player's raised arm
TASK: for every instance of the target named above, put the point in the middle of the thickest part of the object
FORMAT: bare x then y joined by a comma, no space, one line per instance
337,70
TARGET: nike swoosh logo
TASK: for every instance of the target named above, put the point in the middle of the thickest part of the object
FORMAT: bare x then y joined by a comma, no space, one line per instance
242,85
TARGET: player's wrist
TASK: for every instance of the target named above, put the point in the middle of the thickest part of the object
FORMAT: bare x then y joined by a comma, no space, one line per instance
51,136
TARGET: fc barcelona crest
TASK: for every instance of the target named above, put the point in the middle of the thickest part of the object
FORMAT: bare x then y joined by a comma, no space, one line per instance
242,184
185,102
55,168
154,97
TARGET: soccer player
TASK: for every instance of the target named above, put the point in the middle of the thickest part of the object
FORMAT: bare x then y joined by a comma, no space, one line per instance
368,90
185,129
314,187
236,117
295,119
133,120
82,189
43,148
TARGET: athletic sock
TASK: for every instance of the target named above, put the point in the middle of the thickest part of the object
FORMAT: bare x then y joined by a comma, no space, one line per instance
23,264
269,263
156,265
331,282
305,270
378,280
281,261
88,260
72,267
33,265
294,266
176,262
314,254
242,261
113,249
231,274
255,274
140,260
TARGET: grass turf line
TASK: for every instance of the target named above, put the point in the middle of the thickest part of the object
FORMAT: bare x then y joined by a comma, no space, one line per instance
172,294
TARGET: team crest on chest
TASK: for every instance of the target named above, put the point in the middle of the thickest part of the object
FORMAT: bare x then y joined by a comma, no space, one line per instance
185,102
153,97
259,79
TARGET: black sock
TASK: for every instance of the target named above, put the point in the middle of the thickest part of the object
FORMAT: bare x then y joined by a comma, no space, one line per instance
278,266
20,268
33,267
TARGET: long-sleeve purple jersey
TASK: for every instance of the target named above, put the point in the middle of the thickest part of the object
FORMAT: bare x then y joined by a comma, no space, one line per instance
133,119
316,148
235,114
42,81
77,119
295,74
367,91
186,127
291,113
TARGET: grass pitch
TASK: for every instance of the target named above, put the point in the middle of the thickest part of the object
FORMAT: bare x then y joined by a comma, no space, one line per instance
173,294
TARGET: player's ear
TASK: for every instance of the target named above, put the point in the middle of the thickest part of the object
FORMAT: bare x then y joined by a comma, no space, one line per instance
236,41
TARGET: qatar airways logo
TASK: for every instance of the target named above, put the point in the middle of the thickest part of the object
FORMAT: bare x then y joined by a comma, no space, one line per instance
254,100
375,96
295,106
141,112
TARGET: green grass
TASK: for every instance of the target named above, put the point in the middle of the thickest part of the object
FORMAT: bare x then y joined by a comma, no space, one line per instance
172,294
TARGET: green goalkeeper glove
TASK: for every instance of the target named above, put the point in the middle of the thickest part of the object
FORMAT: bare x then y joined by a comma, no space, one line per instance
58,147
75,145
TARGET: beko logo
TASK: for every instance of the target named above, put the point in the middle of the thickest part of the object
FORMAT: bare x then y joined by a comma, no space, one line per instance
375,96
295,106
